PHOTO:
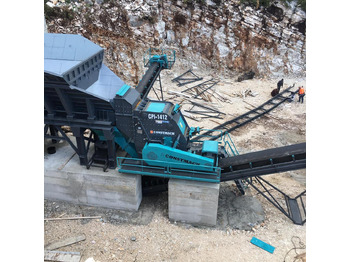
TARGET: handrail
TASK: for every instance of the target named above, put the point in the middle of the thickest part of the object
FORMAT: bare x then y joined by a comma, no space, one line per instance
224,138
151,52
229,142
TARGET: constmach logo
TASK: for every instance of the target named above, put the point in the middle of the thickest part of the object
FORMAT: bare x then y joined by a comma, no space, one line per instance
181,160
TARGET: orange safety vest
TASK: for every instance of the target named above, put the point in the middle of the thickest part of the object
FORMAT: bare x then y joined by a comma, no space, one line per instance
301,91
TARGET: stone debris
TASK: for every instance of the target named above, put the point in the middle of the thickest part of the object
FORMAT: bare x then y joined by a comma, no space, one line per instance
270,41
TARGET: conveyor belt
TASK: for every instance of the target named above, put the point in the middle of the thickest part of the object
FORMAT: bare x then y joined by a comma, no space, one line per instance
263,162
251,166
252,114
148,79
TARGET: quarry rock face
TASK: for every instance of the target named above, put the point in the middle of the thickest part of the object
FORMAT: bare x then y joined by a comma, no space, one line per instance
225,36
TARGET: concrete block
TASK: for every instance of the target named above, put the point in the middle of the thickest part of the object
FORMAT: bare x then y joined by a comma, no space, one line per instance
65,179
193,202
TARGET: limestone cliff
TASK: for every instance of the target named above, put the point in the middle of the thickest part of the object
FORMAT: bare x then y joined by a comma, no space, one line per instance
224,36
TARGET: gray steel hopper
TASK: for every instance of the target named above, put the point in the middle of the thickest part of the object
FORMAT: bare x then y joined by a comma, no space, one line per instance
83,93
77,83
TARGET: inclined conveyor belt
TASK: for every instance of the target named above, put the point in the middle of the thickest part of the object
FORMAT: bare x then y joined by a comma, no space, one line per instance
148,79
251,115
264,162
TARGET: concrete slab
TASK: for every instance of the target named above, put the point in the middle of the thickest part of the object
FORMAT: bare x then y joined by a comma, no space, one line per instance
65,179
193,202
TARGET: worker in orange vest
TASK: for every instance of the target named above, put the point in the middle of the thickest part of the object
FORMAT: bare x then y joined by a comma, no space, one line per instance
301,94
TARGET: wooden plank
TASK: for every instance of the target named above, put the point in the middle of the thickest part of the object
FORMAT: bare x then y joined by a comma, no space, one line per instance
178,93
231,95
61,256
70,218
65,242
206,106
186,114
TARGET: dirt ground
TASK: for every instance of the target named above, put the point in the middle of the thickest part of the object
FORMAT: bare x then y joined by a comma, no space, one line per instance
157,238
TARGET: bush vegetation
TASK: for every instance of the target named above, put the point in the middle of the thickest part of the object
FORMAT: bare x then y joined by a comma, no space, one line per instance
57,12
191,2
267,3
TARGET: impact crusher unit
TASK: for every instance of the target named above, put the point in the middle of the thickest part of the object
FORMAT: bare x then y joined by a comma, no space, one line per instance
81,92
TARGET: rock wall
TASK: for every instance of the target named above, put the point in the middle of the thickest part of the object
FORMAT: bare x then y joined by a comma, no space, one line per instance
223,36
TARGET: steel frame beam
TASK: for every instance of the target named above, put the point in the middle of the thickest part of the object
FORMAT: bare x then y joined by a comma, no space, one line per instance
253,114
81,149
188,80
292,212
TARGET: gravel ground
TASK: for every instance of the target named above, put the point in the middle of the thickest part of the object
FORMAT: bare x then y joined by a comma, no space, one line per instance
148,235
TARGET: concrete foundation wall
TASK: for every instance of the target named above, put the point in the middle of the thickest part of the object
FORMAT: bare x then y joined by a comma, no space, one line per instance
116,190
65,179
193,202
